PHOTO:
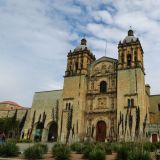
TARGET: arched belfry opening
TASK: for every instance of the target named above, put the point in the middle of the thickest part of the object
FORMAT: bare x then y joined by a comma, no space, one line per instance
129,57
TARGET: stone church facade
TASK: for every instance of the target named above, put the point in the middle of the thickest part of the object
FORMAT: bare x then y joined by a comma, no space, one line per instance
101,100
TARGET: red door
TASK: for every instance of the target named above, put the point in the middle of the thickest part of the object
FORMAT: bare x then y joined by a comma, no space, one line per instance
101,131
154,138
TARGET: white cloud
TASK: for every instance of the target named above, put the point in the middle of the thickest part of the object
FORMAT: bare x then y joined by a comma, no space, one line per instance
107,33
32,47
103,16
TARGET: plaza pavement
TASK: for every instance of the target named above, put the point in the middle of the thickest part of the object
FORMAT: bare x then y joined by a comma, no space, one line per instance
23,146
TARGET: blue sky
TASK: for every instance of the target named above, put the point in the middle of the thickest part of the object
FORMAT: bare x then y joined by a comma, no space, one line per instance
35,37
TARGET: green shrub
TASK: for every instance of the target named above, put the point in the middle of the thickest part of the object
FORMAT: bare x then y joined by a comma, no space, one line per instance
9,149
73,146
34,152
100,146
138,154
77,147
114,147
1,150
123,152
61,152
87,149
97,154
42,147
55,148
149,147
108,148
157,145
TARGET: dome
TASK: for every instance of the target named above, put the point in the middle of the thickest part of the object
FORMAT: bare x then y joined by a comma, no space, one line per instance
130,37
82,46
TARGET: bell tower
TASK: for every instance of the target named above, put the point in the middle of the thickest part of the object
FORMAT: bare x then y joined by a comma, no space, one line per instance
132,112
130,52
79,59
74,93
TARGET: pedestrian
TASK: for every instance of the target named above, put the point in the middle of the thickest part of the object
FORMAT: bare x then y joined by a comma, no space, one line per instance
3,137
52,138
0,137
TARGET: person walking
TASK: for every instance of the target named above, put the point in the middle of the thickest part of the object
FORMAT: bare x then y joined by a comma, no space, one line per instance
0,137
3,137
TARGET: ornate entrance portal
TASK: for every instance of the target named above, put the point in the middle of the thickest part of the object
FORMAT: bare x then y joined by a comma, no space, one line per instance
53,132
101,131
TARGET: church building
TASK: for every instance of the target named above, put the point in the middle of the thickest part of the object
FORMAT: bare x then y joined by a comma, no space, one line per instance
102,99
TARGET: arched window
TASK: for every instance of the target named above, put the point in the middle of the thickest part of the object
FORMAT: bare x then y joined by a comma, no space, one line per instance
103,87
76,65
66,106
158,107
122,58
129,57
69,106
132,102
135,56
129,103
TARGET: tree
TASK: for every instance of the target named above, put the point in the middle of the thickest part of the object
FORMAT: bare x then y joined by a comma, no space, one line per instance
21,124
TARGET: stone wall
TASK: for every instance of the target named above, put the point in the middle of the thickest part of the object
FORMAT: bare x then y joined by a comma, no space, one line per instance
43,103
154,108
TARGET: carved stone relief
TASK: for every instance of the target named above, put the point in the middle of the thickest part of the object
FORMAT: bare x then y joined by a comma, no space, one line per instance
102,102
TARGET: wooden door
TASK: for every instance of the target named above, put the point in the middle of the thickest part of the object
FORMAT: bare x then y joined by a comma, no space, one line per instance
154,138
101,131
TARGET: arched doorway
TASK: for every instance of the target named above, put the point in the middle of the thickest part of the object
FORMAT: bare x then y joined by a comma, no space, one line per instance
38,132
101,131
53,132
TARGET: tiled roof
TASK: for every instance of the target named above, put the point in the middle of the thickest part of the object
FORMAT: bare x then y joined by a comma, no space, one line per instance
14,104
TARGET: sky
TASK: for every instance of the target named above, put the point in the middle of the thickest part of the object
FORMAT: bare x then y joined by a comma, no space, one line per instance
36,36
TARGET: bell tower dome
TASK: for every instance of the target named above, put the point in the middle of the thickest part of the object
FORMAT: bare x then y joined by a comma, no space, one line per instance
79,59
130,52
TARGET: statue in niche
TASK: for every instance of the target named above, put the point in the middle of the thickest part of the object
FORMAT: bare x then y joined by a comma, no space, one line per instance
96,70
92,133
103,68
89,129
110,68
113,83
99,102
91,107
